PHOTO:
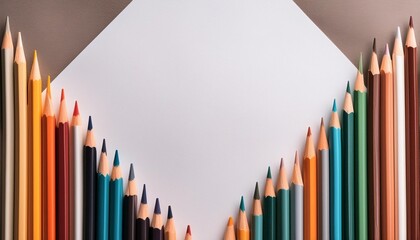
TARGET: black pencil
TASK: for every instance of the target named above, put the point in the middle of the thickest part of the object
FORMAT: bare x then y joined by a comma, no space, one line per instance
143,221
156,228
130,207
89,186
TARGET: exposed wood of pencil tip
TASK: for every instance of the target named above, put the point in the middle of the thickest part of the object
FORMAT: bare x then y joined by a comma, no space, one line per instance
257,209
398,47
269,187
20,52
386,65
62,114
131,186
35,72
157,217
116,169
282,183
297,174
374,65
322,140
411,37
76,119
144,208
7,38
348,103
103,167
309,146
90,138
359,84
334,121
242,220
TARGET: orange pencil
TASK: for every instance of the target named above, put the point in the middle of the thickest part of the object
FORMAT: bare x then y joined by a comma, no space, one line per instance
48,167
230,230
310,189
387,149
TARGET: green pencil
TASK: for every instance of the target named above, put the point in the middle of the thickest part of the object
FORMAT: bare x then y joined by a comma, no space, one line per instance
269,216
116,195
257,217
283,205
360,124
348,166
102,196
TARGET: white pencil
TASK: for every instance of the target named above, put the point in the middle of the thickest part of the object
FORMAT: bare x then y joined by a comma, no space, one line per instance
76,175
399,129
7,137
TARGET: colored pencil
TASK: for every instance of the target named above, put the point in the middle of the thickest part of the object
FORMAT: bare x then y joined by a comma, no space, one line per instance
34,150
170,231
310,189
62,147
335,176
115,200
323,185
269,214
130,207
76,175
89,188
348,166
21,138
387,148
156,227
374,204
243,228
296,202
412,134
48,123
103,195
7,136
143,221
283,205
360,157
230,230
399,129
188,235
257,217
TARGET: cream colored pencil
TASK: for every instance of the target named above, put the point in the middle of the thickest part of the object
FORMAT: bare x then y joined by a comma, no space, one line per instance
7,137
76,175
399,129
21,140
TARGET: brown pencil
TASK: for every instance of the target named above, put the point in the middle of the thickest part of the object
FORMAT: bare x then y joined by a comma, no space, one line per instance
63,171
374,202
412,137
387,148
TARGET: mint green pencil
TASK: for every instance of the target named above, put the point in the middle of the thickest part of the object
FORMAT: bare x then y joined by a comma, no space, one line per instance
116,195
102,196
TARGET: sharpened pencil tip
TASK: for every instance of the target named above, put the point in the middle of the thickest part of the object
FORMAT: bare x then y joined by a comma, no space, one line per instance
103,146
189,230
334,108
309,132
76,109
157,206
281,163
63,96
398,33
131,175
322,122
7,24
116,159
411,22
374,45
170,212
144,195
348,87
269,173
257,192
230,221
296,158
49,86
242,205
361,63
90,125
386,49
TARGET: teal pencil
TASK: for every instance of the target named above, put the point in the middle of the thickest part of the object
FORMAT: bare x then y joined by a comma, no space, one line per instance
335,176
102,196
348,167
257,217
283,205
116,195
269,216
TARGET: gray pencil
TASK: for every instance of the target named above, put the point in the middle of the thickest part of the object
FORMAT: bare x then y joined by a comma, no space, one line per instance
296,202
7,139
323,185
